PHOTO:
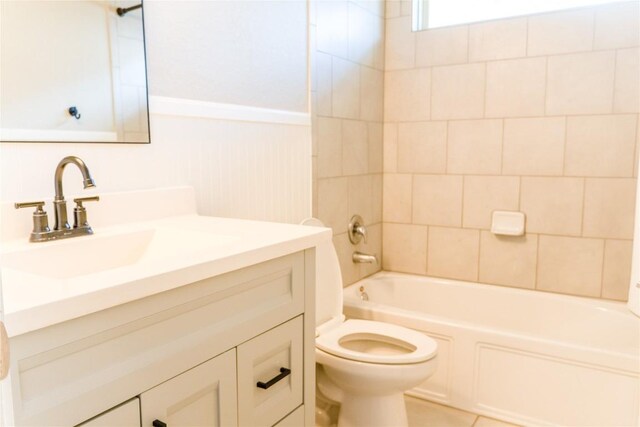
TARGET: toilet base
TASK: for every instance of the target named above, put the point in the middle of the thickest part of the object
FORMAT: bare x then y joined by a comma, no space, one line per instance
373,411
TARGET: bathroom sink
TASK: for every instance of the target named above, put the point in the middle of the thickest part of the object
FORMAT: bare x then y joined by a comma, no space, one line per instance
83,256
144,243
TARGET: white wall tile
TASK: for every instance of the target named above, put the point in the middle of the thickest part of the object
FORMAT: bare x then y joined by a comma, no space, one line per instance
506,38
534,146
485,194
516,88
400,44
580,83
324,82
600,145
552,205
333,27
570,265
442,46
422,147
627,86
329,135
397,194
475,147
560,32
618,25
355,148
390,143
332,209
365,31
407,95
437,200
345,97
371,94
458,92
375,141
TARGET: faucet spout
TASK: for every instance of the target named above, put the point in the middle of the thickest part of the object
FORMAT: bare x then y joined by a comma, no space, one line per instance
359,257
59,203
87,181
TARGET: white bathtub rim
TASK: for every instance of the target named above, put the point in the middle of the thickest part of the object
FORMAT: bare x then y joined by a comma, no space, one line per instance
624,357
615,306
625,363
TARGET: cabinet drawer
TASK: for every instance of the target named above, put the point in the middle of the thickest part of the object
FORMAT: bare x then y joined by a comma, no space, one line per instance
264,361
125,415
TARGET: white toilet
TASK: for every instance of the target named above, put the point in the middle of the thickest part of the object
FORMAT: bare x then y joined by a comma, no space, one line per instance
369,364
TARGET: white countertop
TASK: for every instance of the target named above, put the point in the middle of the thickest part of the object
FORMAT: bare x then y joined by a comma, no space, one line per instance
220,245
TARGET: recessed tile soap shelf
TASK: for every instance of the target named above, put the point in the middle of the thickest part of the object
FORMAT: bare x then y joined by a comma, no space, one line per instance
506,223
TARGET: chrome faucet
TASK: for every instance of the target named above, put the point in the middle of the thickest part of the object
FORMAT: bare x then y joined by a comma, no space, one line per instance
359,257
59,203
61,229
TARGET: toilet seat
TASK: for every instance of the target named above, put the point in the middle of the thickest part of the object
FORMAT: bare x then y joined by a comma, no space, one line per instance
389,344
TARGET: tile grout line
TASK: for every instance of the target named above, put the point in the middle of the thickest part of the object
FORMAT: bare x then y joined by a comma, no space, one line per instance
564,146
537,272
604,257
476,119
615,79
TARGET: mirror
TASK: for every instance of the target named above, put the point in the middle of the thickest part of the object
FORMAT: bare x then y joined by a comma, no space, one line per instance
73,71
429,14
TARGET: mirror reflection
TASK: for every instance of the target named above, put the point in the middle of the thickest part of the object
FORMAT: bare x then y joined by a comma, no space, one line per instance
72,71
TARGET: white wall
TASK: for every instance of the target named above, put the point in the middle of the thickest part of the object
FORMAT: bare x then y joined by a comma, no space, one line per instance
238,168
229,63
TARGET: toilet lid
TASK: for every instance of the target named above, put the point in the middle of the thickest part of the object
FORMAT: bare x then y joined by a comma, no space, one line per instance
377,342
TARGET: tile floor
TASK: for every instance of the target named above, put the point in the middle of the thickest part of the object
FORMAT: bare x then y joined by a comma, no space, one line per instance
428,414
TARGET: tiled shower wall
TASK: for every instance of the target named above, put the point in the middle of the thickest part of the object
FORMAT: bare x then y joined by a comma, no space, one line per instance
347,39
536,114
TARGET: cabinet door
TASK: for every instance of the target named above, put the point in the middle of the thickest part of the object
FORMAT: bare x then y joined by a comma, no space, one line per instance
202,396
270,375
125,415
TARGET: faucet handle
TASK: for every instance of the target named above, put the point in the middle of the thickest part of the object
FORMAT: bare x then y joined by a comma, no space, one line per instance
40,219
80,212
37,205
81,200
357,230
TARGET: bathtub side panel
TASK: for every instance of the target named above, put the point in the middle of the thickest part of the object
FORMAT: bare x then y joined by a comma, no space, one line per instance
521,377
539,389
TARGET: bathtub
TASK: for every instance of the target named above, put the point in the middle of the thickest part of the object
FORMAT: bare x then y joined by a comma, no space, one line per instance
526,357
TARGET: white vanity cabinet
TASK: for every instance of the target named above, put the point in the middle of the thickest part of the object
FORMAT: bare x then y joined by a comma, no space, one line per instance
192,355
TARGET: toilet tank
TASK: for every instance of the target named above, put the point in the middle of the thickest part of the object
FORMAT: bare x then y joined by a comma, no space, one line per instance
328,280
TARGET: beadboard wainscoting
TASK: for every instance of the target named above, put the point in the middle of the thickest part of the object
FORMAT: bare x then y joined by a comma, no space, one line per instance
243,162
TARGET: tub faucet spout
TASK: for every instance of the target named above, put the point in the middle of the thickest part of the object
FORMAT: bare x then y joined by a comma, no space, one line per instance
359,257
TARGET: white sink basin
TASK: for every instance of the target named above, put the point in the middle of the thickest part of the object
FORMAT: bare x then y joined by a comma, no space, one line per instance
81,256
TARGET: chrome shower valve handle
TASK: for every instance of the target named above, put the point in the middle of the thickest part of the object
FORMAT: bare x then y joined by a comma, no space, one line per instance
357,230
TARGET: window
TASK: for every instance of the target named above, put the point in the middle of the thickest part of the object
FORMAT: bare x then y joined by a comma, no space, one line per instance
443,13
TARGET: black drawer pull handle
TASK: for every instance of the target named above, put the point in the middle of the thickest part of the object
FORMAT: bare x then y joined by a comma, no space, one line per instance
284,372
158,423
